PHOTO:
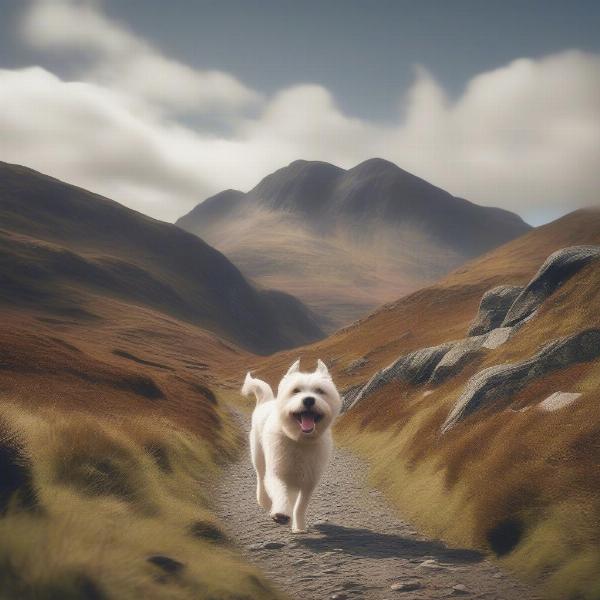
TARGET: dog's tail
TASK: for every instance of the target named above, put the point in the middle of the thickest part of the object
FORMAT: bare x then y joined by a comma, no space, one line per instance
261,389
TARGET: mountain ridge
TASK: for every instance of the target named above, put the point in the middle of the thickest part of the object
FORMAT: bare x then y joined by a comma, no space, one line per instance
344,241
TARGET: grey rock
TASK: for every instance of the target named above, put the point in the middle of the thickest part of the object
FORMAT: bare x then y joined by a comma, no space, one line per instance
503,381
459,589
559,400
415,368
349,395
556,270
457,358
359,363
497,337
432,565
339,596
407,586
493,307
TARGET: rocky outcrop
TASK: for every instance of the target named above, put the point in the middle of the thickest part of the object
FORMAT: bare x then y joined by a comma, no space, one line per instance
356,365
497,337
457,358
349,395
502,311
493,307
503,381
415,368
556,270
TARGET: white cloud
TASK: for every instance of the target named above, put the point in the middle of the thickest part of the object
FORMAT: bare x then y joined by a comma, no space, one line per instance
525,136
121,60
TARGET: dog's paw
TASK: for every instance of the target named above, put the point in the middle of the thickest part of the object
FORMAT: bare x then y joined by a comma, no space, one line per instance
296,530
280,518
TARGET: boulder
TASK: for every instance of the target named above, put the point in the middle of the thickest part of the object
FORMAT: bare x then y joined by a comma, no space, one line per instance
493,307
556,270
503,381
497,337
415,368
457,358
558,400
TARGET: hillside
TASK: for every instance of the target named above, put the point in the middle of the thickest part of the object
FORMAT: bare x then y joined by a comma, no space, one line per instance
343,241
476,402
61,246
112,426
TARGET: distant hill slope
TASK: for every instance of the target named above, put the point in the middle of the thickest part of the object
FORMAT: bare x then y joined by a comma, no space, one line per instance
61,245
446,309
347,241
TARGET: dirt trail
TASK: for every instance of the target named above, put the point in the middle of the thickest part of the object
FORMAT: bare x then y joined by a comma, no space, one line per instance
356,548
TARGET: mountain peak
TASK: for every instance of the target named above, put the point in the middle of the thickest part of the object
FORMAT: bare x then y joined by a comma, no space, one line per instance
376,164
304,186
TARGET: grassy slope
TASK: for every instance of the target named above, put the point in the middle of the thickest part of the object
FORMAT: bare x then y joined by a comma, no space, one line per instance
444,310
529,474
55,237
119,432
112,428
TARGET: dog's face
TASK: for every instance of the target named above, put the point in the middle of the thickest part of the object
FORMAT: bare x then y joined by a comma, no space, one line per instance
307,403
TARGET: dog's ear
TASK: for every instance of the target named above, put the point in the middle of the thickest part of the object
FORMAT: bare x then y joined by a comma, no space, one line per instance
261,389
294,368
322,369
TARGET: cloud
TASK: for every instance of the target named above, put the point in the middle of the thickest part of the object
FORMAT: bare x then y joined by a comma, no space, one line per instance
525,136
119,59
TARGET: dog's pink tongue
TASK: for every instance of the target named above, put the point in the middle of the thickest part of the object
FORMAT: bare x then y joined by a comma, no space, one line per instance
307,422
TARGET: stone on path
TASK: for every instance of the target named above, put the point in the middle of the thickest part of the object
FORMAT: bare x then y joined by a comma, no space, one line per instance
407,586
459,589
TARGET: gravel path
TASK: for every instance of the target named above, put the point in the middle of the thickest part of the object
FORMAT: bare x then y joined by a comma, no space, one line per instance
356,548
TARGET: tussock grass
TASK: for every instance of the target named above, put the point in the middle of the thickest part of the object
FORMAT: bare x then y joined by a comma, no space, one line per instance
516,481
111,493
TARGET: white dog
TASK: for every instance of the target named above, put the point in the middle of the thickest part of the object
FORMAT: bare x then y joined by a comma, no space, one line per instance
290,439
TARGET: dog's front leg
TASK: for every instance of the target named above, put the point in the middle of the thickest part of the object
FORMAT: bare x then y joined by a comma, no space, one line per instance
282,499
299,516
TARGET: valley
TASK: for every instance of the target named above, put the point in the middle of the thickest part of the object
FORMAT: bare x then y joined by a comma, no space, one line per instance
122,433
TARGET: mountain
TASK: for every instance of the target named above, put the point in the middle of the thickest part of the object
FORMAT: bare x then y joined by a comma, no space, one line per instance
60,246
345,241
476,401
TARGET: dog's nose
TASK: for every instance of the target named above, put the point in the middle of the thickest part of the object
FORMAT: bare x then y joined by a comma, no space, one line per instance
308,402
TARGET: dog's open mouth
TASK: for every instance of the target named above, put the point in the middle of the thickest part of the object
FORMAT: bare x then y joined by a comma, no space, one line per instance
307,420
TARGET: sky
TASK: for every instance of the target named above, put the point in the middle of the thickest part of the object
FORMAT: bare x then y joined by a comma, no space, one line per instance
159,105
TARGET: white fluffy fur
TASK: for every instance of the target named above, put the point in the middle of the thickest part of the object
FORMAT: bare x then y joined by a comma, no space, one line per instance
289,461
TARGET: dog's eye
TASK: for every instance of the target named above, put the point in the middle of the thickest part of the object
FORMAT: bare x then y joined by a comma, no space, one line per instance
296,391
319,391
